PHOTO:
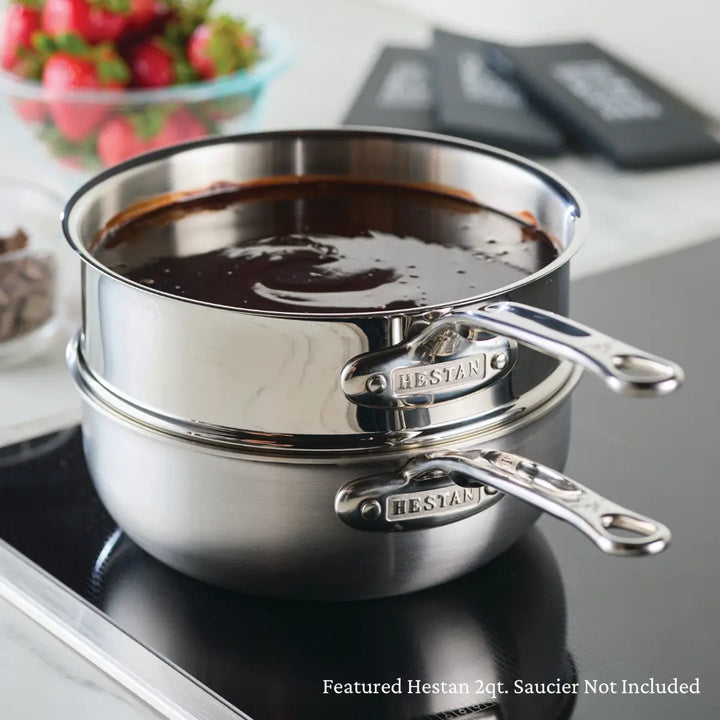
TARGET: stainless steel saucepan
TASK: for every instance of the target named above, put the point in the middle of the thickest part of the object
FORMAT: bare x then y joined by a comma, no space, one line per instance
342,456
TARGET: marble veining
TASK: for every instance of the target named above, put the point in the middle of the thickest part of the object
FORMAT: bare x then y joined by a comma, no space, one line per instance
41,677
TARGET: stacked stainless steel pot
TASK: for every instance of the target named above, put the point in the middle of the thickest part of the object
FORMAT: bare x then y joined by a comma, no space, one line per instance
342,455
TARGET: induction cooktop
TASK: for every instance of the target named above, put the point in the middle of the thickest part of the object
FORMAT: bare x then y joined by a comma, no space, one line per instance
552,629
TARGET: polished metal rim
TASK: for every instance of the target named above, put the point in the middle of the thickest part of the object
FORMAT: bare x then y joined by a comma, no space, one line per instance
578,212
526,409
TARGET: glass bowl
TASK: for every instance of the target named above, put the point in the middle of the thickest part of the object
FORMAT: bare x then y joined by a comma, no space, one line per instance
29,237
80,128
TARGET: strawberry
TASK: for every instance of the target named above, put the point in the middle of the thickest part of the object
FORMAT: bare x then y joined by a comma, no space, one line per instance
180,126
221,46
183,17
97,20
79,156
31,111
106,26
66,71
71,162
111,19
21,21
120,139
156,63
151,64
62,17
143,12
125,136
191,127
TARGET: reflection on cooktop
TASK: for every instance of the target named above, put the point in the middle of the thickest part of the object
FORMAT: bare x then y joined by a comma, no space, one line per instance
468,640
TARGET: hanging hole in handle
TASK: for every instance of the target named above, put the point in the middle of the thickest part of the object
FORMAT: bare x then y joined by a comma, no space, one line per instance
627,527
643,369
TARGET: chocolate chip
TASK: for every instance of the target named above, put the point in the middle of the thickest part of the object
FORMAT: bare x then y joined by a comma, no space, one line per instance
12,243
27,289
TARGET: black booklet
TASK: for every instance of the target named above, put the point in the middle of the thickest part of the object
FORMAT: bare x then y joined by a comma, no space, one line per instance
607,105
398,92
474,101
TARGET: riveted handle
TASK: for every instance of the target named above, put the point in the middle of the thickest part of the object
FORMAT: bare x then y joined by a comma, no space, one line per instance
463,352
448,359
614,529
624,368
398,502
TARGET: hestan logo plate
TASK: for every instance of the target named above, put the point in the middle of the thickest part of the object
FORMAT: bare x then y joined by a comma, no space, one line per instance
469,370
431,503
395,503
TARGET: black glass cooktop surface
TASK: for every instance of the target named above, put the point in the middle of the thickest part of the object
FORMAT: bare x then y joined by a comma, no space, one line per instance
586,636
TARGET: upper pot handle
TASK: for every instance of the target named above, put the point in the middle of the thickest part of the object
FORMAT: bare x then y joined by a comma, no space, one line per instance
455,355
553,492
625,369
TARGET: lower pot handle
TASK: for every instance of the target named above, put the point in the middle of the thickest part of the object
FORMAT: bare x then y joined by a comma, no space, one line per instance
624,368
614,529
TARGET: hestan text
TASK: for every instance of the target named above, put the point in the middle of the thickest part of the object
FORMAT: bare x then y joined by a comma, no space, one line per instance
439,376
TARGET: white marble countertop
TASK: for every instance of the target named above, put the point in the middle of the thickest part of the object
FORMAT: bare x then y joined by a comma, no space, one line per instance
634,216
42,677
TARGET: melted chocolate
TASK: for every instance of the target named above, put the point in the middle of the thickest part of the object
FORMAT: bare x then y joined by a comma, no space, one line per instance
321,246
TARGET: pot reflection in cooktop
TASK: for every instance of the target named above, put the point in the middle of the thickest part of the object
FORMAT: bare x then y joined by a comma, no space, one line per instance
272,658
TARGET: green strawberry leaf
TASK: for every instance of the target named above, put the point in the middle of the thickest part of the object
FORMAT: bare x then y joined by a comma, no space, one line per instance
227,46
60,145
112,70
184,72
200,8
188,15
30,64
149,123
174,34
119,7
43,43
72,44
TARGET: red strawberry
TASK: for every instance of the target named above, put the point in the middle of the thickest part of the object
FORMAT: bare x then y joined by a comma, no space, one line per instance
71,161
125,136
21,21
152,64
31,111
96,20
180,126
192,128
106,26
157,63
65,72
110,19
142,13
61,17
221,46
120,140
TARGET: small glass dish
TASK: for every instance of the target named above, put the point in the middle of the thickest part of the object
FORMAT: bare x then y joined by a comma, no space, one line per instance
170,115
29,237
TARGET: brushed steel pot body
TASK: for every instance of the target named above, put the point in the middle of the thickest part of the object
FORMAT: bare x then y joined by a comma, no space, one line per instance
278,373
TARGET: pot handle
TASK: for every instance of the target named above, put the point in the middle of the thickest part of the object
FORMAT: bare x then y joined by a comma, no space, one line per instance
625,369
456,355
614,529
